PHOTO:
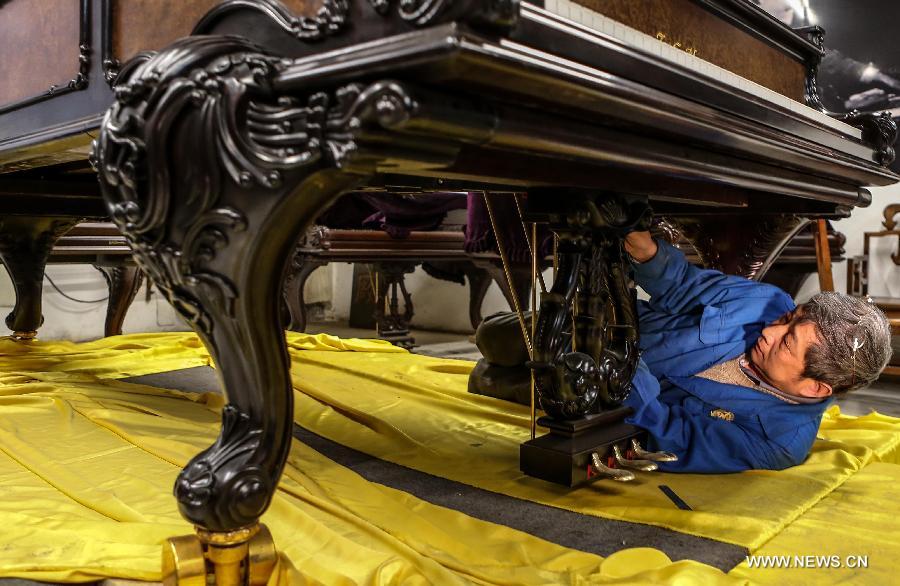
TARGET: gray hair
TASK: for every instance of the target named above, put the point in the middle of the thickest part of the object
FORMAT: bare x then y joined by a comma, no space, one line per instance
844,323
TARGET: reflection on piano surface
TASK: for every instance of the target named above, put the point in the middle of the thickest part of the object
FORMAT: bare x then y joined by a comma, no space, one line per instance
218,150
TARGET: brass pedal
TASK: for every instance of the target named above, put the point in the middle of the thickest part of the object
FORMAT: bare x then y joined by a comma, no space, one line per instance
652,456
236,558
617,474
636,464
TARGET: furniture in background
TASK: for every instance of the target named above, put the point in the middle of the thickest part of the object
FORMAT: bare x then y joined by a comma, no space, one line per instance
858,273
99,244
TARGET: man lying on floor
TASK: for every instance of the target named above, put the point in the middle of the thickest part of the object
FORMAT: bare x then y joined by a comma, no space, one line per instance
733,376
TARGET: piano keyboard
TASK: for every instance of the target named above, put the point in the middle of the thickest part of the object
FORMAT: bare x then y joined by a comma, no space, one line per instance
645,43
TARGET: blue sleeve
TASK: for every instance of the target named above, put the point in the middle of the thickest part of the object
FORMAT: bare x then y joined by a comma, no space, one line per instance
703,444
676,287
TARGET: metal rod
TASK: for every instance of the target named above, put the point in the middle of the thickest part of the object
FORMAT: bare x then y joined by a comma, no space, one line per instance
534,273
509,279
531,242
555,254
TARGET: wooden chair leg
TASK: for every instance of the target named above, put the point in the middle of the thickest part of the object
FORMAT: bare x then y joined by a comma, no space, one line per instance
124,281
479,283
823,257
300,270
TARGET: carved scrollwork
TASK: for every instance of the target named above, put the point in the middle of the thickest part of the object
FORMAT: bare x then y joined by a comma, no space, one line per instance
570,378
740,245
210,174
250,138
879,130
330,18
247,488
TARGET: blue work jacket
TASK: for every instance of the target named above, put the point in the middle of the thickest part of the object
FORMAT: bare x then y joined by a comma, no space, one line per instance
695,319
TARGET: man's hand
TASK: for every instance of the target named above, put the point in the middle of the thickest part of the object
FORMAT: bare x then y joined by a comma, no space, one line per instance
640,245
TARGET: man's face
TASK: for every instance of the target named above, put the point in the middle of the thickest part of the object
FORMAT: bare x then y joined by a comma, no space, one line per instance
779,356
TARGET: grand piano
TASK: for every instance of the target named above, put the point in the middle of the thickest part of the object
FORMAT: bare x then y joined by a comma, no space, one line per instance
215,151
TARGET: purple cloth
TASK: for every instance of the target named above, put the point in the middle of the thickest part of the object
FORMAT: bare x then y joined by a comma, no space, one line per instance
397,215
480,234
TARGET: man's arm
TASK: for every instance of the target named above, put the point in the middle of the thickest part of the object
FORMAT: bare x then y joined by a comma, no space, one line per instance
675,286
703,444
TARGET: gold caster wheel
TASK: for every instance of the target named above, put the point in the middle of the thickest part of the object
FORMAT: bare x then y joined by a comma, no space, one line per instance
235,558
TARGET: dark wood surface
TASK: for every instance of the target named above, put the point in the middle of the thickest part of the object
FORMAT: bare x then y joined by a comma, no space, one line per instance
146,25
39,44
716,40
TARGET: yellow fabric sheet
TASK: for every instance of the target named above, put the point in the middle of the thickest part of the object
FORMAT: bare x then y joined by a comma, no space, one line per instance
415,411
113,357
859,519
87,466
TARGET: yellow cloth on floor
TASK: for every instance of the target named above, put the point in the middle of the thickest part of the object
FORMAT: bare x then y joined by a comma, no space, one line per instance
859,519
415,411
869,437
87,466
90,464
113,357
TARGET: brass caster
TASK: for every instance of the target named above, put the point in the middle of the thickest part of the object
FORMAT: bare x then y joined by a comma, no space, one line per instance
652,456
623,462
24,336
602,469
235,558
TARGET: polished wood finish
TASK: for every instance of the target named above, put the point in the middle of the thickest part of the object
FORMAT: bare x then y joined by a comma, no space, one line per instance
39,44
823,256
716,40
147,25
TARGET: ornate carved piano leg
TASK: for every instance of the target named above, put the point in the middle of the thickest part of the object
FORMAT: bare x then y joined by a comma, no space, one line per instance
299,271
394,326
25,244
212,178
123,281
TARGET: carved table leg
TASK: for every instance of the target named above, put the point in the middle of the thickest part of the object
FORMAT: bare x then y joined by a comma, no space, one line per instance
123,281
479,283
394,326
212,179
521,276
299,271
25,244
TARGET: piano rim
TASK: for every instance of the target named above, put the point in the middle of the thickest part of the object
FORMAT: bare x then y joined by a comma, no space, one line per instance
438,47
441,48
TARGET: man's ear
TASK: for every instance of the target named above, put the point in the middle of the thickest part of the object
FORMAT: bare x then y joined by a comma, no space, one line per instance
815,389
